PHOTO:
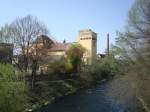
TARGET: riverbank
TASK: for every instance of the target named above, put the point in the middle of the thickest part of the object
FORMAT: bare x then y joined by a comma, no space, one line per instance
74,91
91,99
60,89
57,84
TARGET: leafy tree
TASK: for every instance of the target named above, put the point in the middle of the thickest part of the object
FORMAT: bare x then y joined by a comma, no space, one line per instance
75,56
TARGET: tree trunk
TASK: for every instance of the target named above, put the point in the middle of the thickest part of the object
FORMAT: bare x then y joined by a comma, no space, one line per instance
34,68
33,81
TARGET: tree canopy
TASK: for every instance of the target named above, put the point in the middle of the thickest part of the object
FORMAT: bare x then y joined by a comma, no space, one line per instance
75,55
133,48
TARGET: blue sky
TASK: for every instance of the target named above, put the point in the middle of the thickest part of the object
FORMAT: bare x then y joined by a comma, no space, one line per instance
64,18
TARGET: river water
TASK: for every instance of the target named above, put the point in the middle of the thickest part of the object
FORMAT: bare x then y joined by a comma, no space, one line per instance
95,99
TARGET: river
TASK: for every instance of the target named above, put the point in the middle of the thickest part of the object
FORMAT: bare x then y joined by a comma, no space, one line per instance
94,99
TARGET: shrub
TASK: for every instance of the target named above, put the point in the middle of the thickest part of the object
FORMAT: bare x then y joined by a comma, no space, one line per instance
104,68
12,90
75,55
59,69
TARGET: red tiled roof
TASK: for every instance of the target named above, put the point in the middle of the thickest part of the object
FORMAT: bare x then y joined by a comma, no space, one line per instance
59,47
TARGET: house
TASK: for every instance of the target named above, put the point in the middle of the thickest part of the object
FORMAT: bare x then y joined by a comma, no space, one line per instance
56,50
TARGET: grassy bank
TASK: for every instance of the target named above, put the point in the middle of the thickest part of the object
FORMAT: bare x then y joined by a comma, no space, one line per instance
56,83
58,90
59,84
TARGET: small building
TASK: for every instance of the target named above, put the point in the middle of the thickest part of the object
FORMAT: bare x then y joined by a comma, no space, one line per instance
53,49
49,49
57,50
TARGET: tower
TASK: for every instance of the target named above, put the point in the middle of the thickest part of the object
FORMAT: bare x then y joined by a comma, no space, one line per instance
88,39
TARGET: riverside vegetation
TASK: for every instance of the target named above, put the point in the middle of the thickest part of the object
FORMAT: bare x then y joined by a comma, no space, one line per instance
63,77
58,83
129,65
132,48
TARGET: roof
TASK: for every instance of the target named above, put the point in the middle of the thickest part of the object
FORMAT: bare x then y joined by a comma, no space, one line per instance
59,47
41,38
87,31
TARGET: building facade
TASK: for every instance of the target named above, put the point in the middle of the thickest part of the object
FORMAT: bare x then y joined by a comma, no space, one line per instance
56,50
88,39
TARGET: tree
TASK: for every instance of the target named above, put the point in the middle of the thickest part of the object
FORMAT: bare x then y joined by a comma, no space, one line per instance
36,56
75,56
5,34
24,31
133,46
64,41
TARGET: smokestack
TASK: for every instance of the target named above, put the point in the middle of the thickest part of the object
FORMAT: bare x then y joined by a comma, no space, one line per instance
108,44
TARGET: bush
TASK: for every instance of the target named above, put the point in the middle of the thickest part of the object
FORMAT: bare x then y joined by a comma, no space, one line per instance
104,68
59,69
74,55
12,90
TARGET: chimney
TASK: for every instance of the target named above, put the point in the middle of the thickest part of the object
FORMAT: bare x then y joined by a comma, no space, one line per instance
108,44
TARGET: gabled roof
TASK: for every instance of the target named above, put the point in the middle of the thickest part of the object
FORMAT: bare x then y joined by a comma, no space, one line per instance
42,38
59,47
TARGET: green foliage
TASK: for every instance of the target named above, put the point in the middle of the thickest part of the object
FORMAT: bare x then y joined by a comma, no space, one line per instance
74,55
56,67
109,66
7,72
68,67
59,69
133,47
104,68
12,91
